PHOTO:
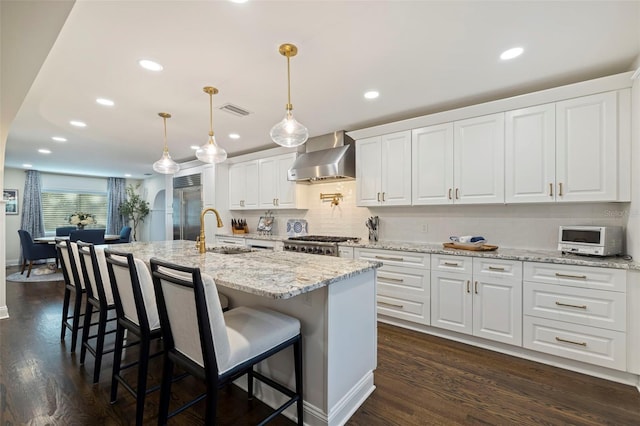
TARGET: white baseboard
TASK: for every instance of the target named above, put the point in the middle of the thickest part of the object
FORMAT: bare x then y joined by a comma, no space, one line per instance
4,312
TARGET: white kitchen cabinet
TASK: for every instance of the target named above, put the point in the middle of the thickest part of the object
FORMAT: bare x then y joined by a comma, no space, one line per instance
383,170
402,284
566,151
225,240
587,148
460,162
243,185
432,165
576,312
275,191
530,155
346,252
477,296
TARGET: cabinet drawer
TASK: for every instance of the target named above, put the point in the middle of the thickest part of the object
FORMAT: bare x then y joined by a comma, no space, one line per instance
443,262
408,310
393,257
576,276
496,268
406,282
346,252
597,308
230,241
597,346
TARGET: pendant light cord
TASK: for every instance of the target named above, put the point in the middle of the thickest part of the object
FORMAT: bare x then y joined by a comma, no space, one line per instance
289,106
210,114
166,147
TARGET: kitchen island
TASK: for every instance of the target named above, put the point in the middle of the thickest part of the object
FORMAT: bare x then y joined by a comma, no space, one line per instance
335,301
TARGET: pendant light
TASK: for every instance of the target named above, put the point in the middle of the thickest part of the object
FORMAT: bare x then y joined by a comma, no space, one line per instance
289,132
165,164
211,152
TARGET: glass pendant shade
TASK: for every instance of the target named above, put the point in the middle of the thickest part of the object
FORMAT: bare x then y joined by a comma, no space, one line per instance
289,132
165,165
211,152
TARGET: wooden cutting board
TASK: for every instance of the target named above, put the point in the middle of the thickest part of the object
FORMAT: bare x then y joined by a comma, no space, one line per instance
484,247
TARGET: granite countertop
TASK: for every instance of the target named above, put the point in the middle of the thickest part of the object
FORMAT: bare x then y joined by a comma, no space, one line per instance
548,256
278,275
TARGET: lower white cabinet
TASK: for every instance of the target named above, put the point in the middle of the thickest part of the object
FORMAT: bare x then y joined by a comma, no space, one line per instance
402,284
230,241
576,312
477,296
346,252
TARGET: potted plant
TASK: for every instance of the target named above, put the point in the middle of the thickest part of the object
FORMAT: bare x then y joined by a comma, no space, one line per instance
134,208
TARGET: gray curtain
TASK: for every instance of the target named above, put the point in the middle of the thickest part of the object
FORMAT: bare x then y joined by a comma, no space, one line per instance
32,219
116,194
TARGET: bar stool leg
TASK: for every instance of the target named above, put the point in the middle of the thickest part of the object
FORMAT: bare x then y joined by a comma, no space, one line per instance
102,326
117,362
65,311
85,332
76,321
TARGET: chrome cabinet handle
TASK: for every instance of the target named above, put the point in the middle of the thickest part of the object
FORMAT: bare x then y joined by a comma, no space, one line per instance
378,197
571,306
550,190
393,305
393,280
476,288
449,193
457,193
383,197
468,291
451,264
578,277
399,259
560,189
559,339
496,268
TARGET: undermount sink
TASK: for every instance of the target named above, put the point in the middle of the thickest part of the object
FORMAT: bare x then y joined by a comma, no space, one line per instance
229,250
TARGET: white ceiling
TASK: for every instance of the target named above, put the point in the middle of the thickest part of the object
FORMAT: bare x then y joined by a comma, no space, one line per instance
422,56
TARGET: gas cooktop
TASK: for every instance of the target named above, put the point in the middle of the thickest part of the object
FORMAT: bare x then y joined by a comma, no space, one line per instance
323,239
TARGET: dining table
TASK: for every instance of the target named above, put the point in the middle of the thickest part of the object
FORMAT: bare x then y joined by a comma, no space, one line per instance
52,239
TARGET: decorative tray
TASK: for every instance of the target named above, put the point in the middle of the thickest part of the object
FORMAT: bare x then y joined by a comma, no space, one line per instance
470,246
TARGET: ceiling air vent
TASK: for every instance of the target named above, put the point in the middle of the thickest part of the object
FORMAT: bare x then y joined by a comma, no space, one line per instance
235,110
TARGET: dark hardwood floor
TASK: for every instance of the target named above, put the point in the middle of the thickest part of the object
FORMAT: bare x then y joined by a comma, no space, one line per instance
421,380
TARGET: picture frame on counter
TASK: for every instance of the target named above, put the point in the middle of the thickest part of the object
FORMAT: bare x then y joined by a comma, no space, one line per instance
10,197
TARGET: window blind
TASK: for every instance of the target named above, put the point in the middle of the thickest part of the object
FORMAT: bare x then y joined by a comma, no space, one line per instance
57,206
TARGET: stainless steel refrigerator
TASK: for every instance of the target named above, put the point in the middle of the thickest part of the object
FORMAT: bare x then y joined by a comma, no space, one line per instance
187,205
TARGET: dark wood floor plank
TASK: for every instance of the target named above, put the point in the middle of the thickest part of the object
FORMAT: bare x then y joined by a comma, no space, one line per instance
421,380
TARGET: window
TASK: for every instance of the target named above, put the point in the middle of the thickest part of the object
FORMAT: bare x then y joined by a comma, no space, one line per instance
58,205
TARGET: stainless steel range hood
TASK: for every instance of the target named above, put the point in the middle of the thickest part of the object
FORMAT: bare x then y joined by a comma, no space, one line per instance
325,157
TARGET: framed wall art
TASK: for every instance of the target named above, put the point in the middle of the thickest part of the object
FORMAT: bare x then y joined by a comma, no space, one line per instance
10,196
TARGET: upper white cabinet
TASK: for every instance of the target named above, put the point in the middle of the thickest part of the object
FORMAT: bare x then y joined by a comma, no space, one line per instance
275,191
530,155
383,170
566,151
460,162
587,148
243,185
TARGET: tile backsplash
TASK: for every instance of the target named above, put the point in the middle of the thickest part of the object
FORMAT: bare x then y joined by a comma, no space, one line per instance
533,226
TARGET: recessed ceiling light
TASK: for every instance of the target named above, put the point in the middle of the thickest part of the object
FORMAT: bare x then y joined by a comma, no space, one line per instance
372,94
196,147
105,102
44,151
78,123
27,165
59,139
127,175
238,1
511,53
150,65
234,136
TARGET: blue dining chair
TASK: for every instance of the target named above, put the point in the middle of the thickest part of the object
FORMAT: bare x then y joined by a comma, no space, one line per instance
64,231
125,236
32,251
94,236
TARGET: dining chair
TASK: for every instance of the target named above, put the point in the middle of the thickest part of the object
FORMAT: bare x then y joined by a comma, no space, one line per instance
100,298
95,236
137,313
32,251
73,285
218,347
64,231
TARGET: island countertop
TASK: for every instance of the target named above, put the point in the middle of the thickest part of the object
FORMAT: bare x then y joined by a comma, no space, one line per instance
278,275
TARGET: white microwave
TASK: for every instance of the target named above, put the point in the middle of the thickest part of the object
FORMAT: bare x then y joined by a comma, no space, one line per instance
591,240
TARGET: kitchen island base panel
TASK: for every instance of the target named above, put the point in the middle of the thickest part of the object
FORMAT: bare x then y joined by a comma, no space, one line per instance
339,337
